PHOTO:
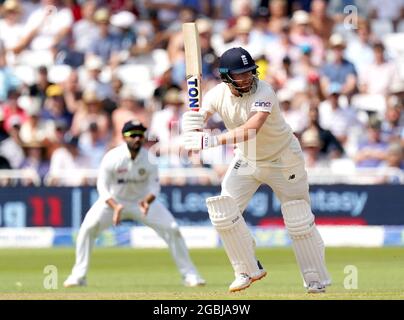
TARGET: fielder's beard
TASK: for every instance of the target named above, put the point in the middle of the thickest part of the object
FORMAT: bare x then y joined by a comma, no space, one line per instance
134,147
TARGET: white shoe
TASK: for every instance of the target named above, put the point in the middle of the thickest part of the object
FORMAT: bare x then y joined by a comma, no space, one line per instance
315,287
194,280
259,274
242,281
74,282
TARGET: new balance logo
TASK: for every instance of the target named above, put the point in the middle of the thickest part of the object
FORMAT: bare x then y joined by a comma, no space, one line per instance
244,59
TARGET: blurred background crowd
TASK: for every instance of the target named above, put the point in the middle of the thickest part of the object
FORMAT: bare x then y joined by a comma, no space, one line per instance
72,72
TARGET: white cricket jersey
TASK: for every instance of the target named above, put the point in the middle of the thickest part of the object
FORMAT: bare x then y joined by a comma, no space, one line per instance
122,178
275,134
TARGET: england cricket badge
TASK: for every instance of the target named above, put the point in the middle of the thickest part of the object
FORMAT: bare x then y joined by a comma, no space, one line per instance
142,171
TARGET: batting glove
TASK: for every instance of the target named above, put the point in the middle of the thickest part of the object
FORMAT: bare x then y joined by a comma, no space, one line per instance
199,141
191,121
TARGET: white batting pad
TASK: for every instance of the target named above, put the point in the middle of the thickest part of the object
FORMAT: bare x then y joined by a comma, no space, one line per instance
237,240
306,241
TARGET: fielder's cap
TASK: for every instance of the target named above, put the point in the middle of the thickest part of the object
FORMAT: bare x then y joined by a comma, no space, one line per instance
133,127
236,60
300,17
123,19
54,90
337,40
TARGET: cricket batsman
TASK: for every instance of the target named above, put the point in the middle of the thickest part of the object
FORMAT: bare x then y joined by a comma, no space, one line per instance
128,185
266,152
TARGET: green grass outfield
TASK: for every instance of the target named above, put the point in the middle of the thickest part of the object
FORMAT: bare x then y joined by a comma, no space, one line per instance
126,273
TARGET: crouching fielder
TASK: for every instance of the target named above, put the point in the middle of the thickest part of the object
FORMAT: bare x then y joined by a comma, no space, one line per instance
128,186
266,152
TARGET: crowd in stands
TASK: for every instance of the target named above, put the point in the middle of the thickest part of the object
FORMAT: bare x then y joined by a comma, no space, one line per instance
72,72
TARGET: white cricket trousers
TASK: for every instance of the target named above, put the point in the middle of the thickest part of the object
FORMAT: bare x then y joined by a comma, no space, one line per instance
286,176
99,218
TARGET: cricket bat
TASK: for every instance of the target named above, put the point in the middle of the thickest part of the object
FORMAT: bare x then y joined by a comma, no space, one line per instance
193,64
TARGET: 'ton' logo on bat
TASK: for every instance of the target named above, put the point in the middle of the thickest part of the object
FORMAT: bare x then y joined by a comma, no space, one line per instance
193,92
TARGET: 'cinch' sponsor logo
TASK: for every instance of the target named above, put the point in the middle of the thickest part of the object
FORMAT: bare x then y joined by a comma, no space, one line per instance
266,104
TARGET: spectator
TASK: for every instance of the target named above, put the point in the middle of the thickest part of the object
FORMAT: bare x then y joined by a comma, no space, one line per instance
311,145
295,117
372,151
339,70
38,89
320,21
282,47
10,148
395,164
11,26
55,108
66,162
209,58
93,145
129,108
7,78
330,146
243,38
302,35
106,45
49,24
72,92
124,21
165,129
92,81
167,10
390,10
90,112
378,77
391,128
85,31
34,129
12,111
278,16
3,132
35,159
335,118
163,84
359,47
